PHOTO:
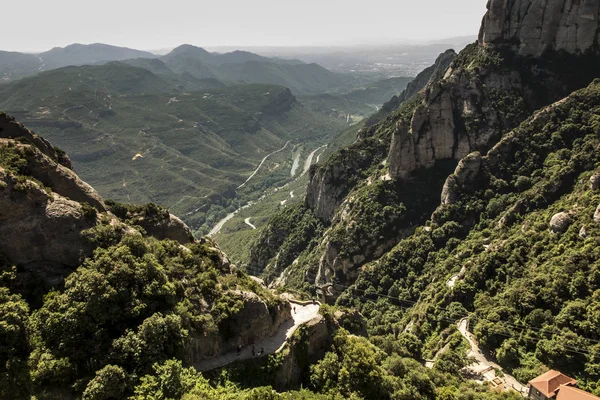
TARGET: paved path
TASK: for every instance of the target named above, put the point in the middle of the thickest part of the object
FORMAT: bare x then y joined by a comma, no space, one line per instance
270,345
484,366
247,222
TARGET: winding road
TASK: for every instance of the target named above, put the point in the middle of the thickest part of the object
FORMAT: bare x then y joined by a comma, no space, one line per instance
262,162
247,222
271,345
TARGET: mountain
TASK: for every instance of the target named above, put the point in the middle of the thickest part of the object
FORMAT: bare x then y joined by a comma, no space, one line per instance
473,199
85,54
103,277
141,137
120,301
17,65
251,68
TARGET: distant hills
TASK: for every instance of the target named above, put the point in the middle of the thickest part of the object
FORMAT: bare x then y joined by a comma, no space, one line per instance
185,62
17,65
142,137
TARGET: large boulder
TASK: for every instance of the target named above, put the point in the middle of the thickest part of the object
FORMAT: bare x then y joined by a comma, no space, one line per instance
560,222
42,228
595,182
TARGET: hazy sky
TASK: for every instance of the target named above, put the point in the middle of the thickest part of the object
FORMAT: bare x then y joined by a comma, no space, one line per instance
36,25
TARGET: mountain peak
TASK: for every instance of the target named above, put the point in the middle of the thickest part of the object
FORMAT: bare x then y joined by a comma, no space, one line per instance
189,48
533,28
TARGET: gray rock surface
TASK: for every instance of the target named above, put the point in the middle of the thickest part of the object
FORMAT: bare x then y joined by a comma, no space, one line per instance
597,215
9,128
254,322
560,222
535,27
595,182
37,227
465,173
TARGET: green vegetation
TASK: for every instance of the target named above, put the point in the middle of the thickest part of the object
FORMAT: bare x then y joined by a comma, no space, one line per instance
133,304
138,137
531,292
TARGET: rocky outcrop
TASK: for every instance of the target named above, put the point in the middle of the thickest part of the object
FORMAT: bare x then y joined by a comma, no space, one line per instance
307,348
61,179
560,222
41,230
424,78
11,129
428,75
466,173
168,226
458,115
535,27
255,321
597,215
595,182
331,182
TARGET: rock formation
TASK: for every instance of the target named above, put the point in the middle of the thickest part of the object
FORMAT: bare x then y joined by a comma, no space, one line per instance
41,231
466,172
45,208
560,222
536,27
255,321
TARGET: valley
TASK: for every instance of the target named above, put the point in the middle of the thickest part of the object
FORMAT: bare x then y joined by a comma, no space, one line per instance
415,219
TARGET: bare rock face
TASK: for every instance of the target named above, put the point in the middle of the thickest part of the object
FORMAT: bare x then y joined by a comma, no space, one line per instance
466,172
253,323
535,27
595,182
37,227
62,180
168,226
560,222
457,116
597,215
317,341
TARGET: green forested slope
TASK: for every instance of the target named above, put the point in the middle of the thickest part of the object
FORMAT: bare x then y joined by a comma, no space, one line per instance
532,291
138,137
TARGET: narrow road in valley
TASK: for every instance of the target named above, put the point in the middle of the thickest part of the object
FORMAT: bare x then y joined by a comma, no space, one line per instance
247,222
309,159
261,164
271,345
483,366
217,228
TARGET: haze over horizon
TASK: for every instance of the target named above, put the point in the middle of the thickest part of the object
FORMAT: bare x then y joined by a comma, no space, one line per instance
154,25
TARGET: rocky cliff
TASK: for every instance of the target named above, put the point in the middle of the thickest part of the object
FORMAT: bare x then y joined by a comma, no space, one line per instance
365,193
536,27
46,209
